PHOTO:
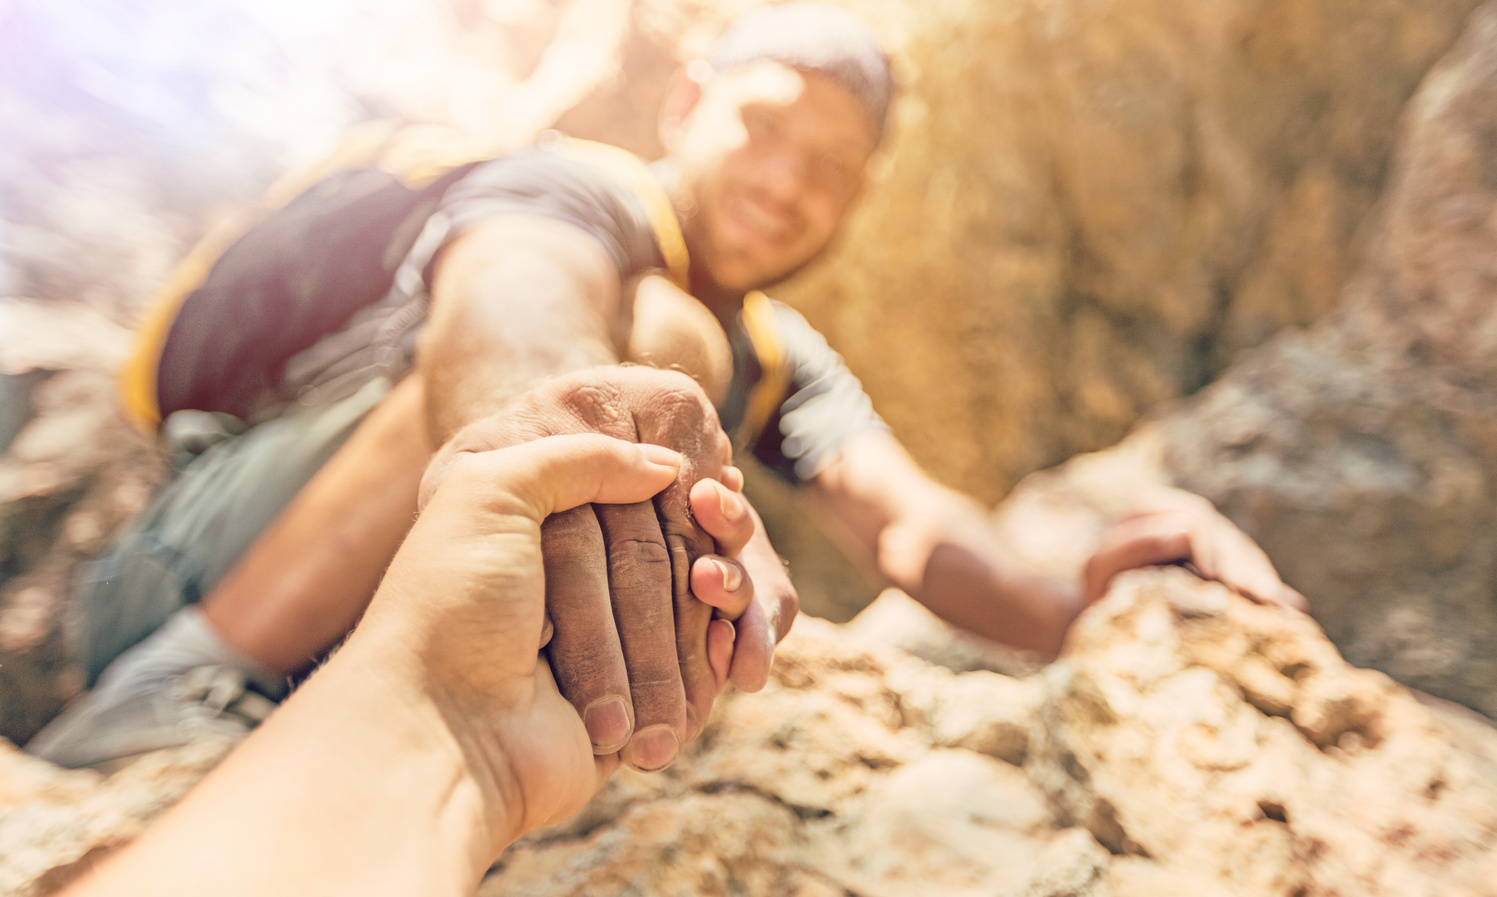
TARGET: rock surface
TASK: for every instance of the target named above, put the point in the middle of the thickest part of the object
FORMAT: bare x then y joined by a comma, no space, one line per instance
71,472
1362,454
1188,742
1136,190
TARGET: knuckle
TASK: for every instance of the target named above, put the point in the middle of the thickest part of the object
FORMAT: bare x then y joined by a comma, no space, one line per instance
568,536
639,556
599,406
664,686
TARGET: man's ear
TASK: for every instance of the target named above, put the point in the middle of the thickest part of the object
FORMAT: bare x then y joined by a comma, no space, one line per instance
681,97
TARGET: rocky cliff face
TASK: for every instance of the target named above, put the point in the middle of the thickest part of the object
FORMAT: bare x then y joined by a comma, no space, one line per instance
1362,453
71,473
1188,742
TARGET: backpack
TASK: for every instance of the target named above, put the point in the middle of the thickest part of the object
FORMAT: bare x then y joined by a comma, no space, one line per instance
271,282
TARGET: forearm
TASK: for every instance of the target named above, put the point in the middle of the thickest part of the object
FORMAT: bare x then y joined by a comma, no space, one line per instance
939,546
981,589
515,302
357,785
946,554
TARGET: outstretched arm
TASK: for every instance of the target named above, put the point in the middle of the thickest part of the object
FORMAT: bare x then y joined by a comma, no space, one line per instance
515,300
434,737
522,299
939,546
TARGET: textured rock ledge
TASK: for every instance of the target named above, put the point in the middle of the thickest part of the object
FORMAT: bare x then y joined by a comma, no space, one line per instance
1188,742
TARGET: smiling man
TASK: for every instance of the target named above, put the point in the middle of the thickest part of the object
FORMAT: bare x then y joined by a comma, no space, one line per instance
533,276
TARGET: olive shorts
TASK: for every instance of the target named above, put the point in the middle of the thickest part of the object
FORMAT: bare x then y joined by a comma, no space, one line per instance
202,521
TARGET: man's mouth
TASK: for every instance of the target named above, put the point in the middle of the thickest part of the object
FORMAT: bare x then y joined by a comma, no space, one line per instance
762,223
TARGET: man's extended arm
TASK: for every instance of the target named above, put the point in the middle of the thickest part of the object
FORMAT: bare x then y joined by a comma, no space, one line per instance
515,300
518,299
939,546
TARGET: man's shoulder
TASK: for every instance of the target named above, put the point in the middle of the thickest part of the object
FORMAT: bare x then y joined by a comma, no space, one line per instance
607,192
560,163
800,339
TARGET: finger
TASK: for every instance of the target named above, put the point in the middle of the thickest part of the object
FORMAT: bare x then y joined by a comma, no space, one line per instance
723,514
639,577
604,765
768,617
558,473
753,649
1136,542
720,637
692,619
1239,562
731,477
1288,596
584,649
722,583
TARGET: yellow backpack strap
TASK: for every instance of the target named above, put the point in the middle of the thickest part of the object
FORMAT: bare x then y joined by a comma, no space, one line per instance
137,387
763,328
634,172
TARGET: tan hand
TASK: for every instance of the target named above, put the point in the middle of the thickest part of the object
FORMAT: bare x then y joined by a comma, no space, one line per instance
466,595
1171,526
630,645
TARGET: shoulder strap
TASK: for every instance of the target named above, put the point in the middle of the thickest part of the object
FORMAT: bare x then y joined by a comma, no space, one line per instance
634,172
763,327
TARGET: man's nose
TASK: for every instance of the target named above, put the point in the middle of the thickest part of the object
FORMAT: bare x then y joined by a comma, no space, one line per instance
786,174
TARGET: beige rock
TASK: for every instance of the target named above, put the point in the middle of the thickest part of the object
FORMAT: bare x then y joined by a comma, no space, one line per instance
1362,454
54,823
1092,207
72,473
1344,782
1151,763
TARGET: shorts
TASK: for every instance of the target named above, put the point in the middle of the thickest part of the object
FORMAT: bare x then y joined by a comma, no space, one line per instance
202,521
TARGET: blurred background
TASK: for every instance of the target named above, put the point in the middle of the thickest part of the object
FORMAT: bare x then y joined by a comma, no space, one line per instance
1241,246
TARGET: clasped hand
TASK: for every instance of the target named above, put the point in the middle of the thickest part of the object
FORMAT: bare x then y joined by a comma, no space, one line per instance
652,606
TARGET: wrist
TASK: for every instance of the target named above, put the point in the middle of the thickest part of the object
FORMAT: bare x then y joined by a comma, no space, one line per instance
449,735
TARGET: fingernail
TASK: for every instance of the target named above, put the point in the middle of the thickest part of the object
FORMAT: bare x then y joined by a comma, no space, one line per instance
655,748
607,722
732,576
659,454
732,506
720,653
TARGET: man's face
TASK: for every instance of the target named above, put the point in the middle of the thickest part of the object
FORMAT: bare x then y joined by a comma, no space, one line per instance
772,158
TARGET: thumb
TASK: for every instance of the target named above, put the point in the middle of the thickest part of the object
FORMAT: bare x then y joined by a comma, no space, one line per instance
559,473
